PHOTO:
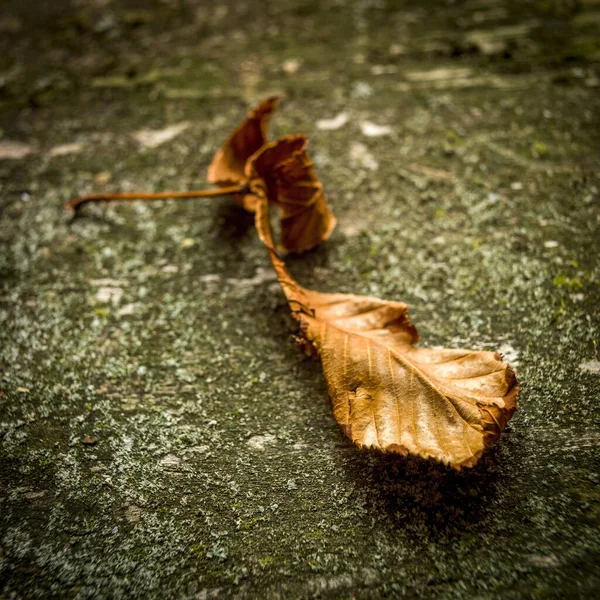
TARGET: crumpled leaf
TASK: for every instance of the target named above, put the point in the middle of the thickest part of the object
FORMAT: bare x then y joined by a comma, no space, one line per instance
284,169
387,393
229,163
247,162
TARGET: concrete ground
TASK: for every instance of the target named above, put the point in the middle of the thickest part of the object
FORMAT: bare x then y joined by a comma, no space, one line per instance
161,436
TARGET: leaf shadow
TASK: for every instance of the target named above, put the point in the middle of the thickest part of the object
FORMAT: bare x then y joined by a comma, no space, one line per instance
231,221
416,495
311,268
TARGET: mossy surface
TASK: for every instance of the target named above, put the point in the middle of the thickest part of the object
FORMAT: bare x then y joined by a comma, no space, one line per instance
161,436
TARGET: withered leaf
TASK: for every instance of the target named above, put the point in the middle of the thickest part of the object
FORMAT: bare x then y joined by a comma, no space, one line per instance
247,162
284,168
228,165
283,171
387,393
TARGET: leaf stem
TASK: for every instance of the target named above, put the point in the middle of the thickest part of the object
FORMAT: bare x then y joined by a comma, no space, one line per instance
73,205
293,291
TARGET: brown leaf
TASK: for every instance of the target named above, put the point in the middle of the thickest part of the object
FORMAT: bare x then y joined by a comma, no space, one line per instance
247,165
282,170
448,405
228,166
285,173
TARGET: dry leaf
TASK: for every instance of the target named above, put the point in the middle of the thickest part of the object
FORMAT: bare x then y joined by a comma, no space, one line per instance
247,162
387,393
286,175
284,169
228,166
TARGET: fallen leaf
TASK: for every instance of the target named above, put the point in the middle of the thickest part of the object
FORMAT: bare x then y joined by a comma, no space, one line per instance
228,165
284,169
283,172
387,393
89,440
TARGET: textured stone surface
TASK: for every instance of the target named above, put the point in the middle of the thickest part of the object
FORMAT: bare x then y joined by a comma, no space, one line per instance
160,434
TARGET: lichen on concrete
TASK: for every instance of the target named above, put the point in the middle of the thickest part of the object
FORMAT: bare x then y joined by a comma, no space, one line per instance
160,434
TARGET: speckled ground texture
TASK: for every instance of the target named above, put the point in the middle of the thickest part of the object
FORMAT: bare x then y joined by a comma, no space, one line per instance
161,436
